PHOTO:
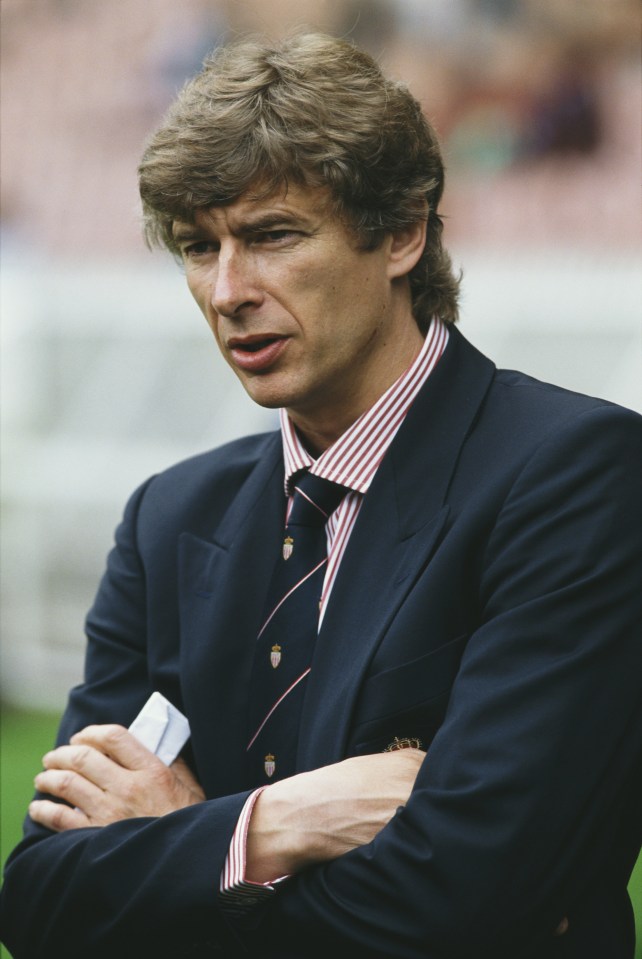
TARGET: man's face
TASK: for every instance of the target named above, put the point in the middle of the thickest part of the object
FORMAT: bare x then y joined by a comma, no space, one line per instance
305,319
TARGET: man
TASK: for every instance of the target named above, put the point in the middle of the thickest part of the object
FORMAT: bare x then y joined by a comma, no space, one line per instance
454,767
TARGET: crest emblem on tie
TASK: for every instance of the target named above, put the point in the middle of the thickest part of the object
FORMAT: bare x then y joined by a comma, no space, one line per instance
275,655
269,765
288,546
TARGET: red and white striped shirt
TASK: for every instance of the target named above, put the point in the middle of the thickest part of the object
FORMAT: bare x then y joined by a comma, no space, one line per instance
352,461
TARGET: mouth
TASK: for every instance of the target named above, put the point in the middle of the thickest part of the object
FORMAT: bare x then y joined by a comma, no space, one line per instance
252,344
258,352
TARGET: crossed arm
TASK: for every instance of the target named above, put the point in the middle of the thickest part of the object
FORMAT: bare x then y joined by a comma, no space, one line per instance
556,641
307,819
105,775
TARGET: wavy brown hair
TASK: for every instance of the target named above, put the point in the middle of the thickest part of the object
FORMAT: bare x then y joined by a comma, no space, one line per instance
315,111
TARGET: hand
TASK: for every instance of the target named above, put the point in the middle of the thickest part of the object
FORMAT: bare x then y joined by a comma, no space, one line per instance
106,775
319,815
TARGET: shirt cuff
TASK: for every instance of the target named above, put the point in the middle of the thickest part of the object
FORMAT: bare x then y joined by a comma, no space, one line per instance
236,892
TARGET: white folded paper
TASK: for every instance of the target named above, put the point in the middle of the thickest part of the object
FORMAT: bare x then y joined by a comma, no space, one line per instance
161,727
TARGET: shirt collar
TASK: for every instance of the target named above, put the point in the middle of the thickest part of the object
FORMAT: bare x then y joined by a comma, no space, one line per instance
354,457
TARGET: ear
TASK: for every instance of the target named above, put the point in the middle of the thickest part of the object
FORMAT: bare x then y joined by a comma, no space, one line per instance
406,247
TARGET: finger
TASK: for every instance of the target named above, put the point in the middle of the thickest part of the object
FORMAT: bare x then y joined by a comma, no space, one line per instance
85,760
118,744
68,785
56,816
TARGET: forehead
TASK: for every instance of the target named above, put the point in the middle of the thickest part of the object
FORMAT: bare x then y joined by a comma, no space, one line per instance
307,205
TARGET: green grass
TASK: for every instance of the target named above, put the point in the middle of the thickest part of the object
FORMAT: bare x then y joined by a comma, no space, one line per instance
635,892
26,736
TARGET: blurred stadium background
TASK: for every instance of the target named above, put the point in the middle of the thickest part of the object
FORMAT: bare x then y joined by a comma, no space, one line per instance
108,373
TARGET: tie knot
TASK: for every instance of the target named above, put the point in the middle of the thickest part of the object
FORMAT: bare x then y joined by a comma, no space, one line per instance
314,500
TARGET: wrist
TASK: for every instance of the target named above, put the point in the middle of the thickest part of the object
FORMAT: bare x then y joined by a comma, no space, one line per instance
271,851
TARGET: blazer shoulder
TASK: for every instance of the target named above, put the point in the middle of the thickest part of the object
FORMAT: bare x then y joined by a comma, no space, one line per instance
523,420
231,461
543,409
200,488
521,404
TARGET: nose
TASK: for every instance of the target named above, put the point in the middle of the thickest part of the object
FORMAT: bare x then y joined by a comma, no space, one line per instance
234,284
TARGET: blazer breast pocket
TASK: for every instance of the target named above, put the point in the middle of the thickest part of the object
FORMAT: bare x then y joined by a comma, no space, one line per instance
406,701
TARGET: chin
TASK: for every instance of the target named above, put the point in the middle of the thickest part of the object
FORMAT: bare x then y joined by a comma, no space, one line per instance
271,396
268,399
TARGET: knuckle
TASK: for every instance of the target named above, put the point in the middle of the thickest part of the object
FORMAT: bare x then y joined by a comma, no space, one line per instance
66,780
129,792
163,773
113,734
81,757
160,778
58,816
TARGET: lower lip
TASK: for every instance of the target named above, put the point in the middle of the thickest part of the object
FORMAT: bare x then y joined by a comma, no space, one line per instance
259,360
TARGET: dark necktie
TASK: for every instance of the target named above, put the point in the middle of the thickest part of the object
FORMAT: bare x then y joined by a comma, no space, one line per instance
285,644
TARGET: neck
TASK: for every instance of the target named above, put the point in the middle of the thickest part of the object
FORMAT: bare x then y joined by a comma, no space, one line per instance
320,428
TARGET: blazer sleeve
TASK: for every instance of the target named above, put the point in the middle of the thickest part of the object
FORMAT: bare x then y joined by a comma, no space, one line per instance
146,886
528,785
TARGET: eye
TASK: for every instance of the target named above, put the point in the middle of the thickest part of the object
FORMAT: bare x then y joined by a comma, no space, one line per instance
198,248
274,236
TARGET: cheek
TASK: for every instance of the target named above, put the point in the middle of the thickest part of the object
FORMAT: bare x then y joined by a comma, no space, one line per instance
355,308
200,290
211,322
353,287
200,293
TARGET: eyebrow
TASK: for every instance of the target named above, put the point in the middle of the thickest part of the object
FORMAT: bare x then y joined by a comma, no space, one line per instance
183,232
263,222
268,220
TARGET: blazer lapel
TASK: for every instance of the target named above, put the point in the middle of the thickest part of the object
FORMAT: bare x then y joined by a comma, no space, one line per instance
223,584
397,530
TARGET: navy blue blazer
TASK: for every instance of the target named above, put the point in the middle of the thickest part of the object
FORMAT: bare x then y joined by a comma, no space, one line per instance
488,602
